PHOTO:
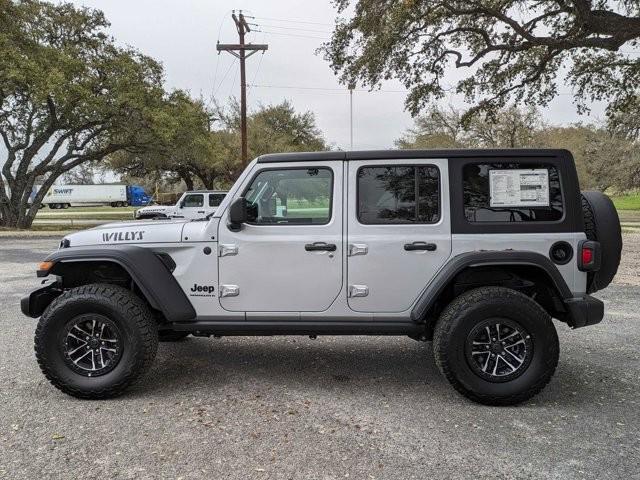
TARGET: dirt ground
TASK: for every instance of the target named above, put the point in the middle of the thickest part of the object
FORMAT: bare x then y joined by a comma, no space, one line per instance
629,271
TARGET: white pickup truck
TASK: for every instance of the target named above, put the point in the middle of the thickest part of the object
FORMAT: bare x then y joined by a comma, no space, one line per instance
193,204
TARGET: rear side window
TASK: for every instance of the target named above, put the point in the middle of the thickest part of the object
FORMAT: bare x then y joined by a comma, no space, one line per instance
398,194
512,193
215,199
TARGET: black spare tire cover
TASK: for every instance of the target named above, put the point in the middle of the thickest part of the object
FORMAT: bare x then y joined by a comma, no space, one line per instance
601,223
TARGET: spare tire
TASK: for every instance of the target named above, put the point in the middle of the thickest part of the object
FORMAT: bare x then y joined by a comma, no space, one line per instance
601,223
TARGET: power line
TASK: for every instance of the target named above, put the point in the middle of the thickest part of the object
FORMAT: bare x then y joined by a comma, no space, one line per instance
215,74
289,20
291,28
233,62
293,35
235,74
334,89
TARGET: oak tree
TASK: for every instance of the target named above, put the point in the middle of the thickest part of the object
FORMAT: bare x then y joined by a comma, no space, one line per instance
68,95
504,50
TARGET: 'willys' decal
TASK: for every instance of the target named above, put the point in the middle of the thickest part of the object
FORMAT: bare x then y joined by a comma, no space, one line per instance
123,236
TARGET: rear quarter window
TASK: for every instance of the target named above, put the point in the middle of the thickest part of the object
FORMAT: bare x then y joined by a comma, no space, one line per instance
478,207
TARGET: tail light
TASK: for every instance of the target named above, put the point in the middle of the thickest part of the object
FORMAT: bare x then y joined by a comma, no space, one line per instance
589,256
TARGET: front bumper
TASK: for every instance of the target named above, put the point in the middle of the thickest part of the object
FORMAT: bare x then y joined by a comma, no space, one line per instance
34,304
584,311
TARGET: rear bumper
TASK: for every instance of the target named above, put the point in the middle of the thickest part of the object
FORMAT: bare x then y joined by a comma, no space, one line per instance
34,304
584,311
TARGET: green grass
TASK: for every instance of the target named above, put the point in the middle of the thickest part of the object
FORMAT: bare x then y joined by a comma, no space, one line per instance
80,218
627,202
104,209
87,213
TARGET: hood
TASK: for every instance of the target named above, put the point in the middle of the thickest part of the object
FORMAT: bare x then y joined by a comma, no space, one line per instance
155,208
133,232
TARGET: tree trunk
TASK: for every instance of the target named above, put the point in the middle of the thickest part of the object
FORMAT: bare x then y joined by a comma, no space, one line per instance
188,181
186,177
207,180
17,212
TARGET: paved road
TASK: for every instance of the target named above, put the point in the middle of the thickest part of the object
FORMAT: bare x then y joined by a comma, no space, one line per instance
355,407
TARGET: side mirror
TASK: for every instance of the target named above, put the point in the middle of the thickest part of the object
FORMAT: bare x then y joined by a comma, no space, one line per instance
181,204
237,214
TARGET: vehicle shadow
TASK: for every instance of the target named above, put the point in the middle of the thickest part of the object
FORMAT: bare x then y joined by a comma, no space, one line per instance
369,366
372,363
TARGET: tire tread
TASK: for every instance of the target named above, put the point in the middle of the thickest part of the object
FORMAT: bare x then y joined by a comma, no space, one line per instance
443,336
132,308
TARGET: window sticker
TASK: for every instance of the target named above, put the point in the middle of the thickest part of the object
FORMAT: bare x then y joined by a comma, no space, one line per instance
519,188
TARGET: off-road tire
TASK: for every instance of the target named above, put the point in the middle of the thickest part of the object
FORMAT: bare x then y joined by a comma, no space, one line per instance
172,335
602,224
126,310
474,306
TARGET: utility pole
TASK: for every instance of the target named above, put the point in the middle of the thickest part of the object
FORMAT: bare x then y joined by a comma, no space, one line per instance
242,51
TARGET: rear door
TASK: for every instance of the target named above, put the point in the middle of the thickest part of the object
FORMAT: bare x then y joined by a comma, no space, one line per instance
399,232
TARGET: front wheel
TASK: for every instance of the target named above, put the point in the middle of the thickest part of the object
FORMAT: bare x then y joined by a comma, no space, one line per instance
95,340
496,346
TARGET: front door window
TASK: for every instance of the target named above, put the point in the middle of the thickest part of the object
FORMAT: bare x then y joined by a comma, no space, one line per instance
298,196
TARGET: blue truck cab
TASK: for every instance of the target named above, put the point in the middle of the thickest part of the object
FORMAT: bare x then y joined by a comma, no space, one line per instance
136,196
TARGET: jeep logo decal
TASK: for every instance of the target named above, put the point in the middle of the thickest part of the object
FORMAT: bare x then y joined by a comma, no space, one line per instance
202,290
123,236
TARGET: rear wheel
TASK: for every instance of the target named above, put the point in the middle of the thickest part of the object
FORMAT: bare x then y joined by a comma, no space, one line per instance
496,346
94,341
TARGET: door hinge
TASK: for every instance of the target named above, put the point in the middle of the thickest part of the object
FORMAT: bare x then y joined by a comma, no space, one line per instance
358,249
229,290
358,291
226,249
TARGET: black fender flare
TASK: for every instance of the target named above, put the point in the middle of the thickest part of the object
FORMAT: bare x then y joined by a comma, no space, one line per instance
484,258
147,270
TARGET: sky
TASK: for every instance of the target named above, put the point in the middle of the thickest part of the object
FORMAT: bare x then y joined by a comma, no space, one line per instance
183,35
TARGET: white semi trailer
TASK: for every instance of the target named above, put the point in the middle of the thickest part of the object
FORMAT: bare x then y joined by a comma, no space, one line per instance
64,196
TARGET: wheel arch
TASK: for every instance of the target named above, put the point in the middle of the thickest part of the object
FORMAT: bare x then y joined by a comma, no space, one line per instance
144,270
529,272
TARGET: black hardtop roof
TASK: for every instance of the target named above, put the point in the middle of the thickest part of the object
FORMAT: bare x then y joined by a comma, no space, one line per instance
402,154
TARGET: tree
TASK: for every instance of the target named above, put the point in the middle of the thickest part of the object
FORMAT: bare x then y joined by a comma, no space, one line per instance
181,144
81,175
68,96
507,50
436,128
202,147
271,128
446,128
607,156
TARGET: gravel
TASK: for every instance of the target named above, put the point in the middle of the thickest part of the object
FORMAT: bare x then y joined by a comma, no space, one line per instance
335,407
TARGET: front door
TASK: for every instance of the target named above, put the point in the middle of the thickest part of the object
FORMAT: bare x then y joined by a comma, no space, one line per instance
192,206
288,256
399,232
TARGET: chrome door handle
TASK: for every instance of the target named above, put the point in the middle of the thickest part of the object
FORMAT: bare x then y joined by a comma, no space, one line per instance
410,247
320,246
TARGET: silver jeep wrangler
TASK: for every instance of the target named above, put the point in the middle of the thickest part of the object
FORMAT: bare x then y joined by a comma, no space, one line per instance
474,250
